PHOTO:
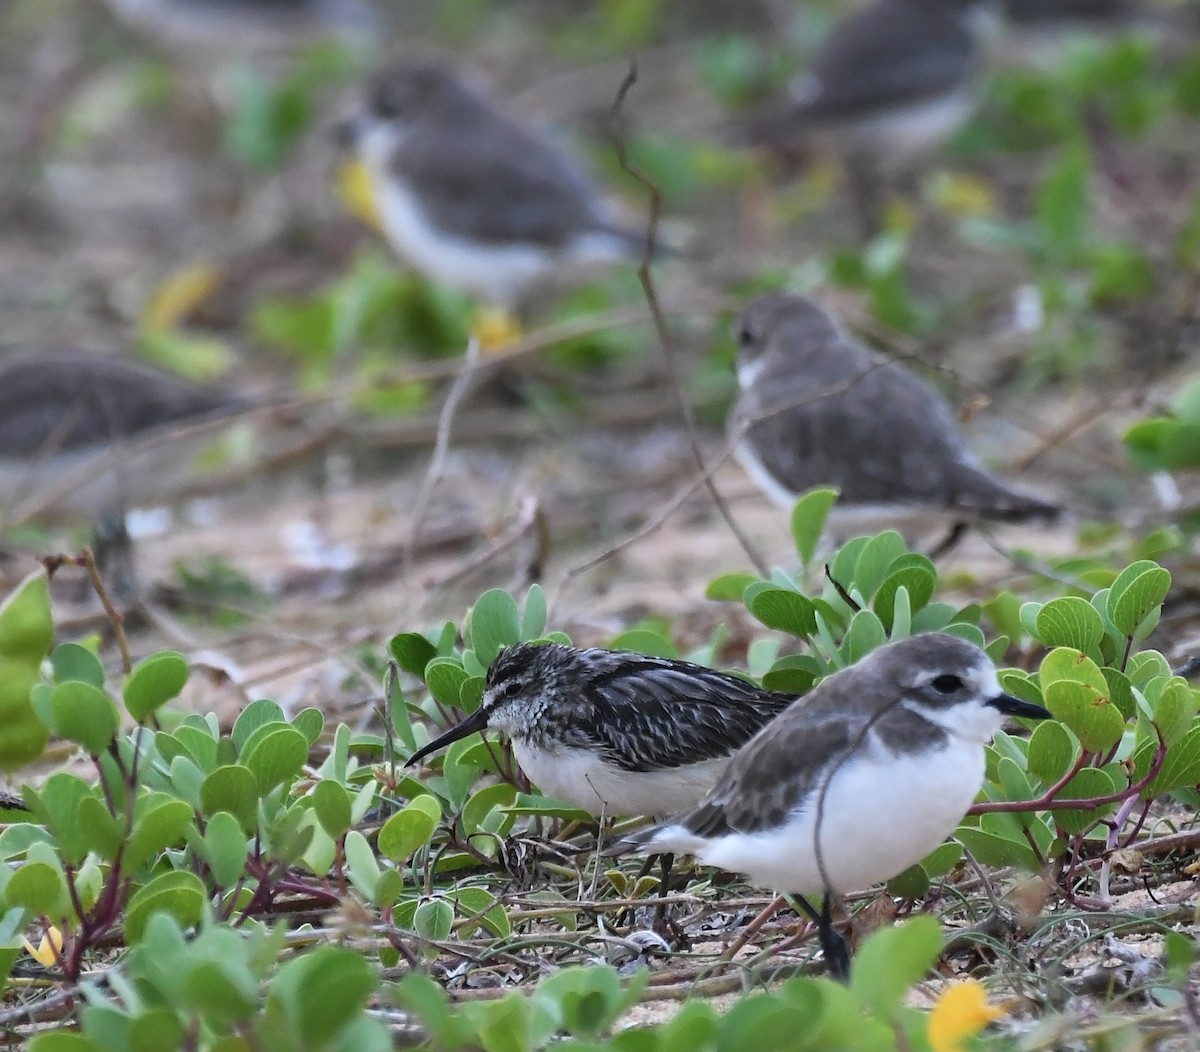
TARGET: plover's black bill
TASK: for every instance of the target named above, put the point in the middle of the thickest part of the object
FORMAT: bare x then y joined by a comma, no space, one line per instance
1026,710
477,721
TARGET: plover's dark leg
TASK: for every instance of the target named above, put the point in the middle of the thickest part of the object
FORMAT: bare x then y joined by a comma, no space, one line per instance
113,550
837,953
956,533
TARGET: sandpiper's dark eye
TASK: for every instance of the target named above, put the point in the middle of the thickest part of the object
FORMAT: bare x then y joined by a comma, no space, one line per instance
947,684
744,336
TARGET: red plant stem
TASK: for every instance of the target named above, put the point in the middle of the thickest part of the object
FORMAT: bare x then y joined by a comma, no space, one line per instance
1046,801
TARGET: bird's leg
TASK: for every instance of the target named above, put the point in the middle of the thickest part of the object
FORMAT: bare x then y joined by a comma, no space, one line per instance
113,551
956,533
866,188
599,848
837,953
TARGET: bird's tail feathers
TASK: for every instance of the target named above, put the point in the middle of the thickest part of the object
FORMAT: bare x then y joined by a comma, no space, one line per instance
656,840
985,495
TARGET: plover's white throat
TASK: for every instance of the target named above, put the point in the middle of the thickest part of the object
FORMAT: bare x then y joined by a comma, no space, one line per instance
816,408
613,732
471,197
869,774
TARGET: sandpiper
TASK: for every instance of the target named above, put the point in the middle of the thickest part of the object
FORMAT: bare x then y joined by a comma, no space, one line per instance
866,777
893,80
818,408
614,732
471,197
92,436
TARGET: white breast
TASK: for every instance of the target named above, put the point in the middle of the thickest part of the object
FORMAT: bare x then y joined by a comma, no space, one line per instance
881,815
584,779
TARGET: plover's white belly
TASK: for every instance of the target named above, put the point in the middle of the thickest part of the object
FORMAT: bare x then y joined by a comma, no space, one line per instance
583,779
901,132
881,815
502,274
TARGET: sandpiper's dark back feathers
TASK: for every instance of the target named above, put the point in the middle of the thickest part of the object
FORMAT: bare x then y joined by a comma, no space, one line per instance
819,408
627,707
61,401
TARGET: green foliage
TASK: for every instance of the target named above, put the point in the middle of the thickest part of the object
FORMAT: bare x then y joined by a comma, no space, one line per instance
26,635
1169,442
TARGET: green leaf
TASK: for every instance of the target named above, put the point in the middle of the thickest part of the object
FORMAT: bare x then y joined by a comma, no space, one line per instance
274,754
1138,591
533,619
322,992
361,864
179,893
63,1041
1051,751
154,681
992,849
61,804
730,587
225,849
160,826
444,677
486,800
916,575
808,520
255,715
310,722
73,661
84,714
25,731
410,828
1089,782
1070,622
155,1030
37,887
1095,721
412,652
866,633
782,609
26,624
481,903
1181,766
893,959
874,563
331,803
232,788
644,641
495,623
434,919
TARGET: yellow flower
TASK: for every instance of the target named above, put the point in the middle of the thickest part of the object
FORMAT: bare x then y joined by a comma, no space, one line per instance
961,1012
48,950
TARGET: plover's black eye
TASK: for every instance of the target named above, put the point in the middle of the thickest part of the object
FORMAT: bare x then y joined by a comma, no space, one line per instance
744,336
947,683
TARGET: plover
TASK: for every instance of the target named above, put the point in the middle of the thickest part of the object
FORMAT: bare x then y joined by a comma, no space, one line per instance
869,774
816,407
613,732
893,80
92,436
471,197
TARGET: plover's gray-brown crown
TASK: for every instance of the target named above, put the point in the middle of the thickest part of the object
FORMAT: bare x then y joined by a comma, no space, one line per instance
818,408
869,774
471,197
616,732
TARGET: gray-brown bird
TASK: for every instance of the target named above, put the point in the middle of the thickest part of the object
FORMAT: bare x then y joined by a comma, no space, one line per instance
894,79
818,408
92,436
471,197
